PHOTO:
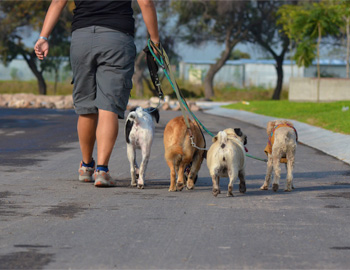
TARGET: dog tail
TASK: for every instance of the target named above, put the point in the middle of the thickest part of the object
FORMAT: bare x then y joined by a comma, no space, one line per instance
222,138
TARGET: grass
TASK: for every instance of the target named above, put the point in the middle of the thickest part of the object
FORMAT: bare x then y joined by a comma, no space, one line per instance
31,87
190,91
221,92
328,115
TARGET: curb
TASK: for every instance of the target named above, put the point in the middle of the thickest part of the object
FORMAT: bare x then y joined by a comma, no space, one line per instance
331,143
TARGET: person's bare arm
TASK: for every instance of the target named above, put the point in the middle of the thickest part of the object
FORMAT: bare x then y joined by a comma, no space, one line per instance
149,15
53,13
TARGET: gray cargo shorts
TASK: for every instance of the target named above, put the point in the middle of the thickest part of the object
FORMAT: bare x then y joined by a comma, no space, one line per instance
102,61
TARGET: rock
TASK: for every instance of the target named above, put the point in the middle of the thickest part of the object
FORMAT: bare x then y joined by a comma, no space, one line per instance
166,106
66,102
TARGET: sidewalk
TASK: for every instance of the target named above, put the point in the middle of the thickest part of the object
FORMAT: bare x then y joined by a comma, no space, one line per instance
331,143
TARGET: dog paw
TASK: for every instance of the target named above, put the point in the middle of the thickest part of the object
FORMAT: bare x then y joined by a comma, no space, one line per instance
288,190
264,187
140,186
229,194
172,189
133,184
216,192
275,187
190,185
180,186
242,188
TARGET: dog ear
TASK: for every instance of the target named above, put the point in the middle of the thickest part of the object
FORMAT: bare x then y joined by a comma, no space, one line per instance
133,109
155,114
128,127
205,154
215,139
238,132
269,127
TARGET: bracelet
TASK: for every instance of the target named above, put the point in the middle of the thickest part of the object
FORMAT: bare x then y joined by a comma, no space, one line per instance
44,38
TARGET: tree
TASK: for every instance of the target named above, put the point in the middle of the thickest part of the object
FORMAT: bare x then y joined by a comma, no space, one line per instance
313,21
222,22
344,9
237,54
18,15
267,33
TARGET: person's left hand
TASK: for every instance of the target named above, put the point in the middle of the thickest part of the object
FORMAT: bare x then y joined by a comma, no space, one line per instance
41,48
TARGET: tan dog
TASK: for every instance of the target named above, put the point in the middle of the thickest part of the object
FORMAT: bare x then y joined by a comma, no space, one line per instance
280,148
179,152
226,158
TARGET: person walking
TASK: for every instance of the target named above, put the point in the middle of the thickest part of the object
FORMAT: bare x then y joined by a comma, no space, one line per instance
102,55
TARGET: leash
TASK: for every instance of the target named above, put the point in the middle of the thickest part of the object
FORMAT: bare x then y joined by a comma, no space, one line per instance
163,62
153,71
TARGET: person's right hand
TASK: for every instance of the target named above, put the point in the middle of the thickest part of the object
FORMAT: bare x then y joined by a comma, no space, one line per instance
41,48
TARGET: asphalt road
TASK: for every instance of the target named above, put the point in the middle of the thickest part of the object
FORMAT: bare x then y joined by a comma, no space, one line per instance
49,220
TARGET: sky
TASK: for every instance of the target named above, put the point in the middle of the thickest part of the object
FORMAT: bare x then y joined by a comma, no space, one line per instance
206,52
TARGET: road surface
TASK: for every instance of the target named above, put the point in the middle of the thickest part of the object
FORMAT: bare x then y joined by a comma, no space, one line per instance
49,220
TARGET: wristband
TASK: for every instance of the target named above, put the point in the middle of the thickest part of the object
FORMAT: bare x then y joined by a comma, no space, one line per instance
44,38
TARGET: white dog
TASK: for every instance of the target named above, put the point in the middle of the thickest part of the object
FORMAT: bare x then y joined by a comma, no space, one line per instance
281,146
139,132
226,158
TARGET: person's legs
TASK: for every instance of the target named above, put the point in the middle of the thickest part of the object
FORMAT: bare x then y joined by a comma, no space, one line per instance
86,127
106,135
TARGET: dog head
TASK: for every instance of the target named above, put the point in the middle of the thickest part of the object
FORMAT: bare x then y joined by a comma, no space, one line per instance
139,113
238,134
140,116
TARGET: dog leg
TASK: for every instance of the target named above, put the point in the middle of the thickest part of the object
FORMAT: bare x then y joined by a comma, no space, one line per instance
172,175
180,177
232,175
277,171
242,186
196,165
132,158
290,167
216,187
143,166
266,184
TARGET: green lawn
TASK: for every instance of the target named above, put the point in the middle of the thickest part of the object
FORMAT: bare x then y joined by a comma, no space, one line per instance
326,115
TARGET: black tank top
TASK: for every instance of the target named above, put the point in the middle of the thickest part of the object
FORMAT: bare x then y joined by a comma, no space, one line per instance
116,15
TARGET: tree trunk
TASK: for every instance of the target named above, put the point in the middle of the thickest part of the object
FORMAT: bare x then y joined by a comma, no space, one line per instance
138,74
279,85
209,77
279,70
318,62
31,61
347,47
56,81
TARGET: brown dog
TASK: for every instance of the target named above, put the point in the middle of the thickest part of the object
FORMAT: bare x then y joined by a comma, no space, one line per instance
179,152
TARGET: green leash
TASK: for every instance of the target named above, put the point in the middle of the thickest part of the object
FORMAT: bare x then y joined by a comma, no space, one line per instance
163,61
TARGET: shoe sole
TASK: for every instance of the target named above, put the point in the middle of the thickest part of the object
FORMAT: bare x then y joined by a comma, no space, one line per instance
86,179
101,183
